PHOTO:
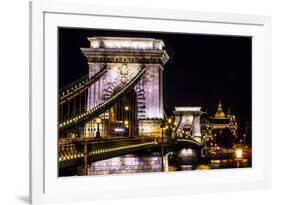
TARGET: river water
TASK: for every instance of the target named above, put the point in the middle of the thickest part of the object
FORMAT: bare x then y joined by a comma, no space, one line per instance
139,163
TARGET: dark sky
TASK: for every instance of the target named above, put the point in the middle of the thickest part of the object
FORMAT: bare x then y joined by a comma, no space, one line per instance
202,68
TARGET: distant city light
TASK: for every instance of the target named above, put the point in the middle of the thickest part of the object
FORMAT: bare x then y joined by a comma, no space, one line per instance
238,153
119,129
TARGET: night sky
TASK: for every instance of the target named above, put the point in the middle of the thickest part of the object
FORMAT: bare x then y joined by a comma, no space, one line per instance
202,68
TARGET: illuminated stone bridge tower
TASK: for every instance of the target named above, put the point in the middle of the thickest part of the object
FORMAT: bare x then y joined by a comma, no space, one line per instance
123,58
189,117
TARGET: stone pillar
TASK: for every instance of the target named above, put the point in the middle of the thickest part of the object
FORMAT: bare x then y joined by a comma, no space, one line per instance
153,92
95,91
196,129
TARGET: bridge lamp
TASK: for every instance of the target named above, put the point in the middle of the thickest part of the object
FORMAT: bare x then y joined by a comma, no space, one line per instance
238,153
163,127
169,120
98,120
126,122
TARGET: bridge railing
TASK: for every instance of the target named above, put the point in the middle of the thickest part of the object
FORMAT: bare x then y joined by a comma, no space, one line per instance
68,86
76,88
72,152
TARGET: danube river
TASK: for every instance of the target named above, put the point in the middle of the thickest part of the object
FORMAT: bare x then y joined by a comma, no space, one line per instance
143,163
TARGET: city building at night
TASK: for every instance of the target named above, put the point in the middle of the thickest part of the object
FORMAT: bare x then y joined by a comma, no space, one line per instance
219,128
198,125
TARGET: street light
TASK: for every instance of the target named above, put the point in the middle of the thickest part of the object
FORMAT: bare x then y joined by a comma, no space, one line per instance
169,120
126,108
126,123
163,126
238,153
98,120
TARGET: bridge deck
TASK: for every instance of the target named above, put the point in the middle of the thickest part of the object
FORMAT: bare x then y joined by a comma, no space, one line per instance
73,153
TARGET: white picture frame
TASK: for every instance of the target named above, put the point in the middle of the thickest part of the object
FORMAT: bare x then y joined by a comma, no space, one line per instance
45,186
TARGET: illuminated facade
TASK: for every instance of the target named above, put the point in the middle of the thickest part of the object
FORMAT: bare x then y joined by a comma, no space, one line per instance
221,128
123,58
198,125
222,121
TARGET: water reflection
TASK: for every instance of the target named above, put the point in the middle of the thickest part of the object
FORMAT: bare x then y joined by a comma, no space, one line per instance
130,163
139,163
213,164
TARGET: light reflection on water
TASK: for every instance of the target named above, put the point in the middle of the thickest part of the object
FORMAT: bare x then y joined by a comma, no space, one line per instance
127,164
133,163
215,164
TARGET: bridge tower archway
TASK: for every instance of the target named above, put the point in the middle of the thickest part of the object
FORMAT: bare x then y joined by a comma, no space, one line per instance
188,119
123,58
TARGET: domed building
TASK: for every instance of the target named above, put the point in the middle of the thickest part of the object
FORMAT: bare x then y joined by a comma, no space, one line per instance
219,129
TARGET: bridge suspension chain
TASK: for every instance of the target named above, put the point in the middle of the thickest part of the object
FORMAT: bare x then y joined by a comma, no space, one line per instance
102,107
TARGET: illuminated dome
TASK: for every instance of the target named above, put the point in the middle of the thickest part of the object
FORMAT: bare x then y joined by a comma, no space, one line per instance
220,113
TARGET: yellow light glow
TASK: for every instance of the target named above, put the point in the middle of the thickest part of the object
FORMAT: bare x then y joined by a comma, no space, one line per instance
98,120
169,120
238,153
126,122
126,108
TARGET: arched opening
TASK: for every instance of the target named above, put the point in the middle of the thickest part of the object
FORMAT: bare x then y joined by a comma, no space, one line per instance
123,116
